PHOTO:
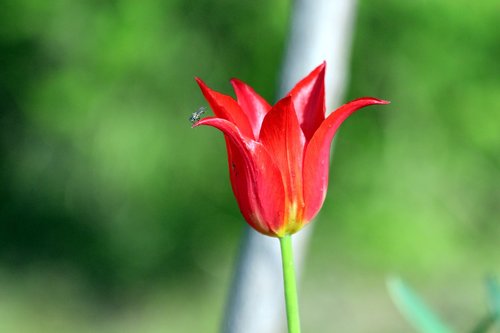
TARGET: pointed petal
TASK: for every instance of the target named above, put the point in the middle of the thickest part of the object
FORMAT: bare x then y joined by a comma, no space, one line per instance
309,100
283,139
252,104
255,179
317,155
226,107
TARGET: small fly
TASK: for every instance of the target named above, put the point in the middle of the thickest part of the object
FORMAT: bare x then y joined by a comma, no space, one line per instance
196,116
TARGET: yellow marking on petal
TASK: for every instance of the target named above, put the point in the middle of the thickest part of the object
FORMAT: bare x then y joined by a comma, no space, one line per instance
293,221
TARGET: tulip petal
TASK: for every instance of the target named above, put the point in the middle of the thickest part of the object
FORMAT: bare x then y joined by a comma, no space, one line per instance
252,104
309,100
317,155
226,107
283,139
254,178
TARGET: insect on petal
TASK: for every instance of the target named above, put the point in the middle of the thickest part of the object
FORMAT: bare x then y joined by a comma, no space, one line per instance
226,107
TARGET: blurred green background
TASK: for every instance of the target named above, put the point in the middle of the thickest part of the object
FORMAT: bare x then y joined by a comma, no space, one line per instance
116,216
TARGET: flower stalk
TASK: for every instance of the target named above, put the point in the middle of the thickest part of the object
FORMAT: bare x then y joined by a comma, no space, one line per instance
279,158
291,299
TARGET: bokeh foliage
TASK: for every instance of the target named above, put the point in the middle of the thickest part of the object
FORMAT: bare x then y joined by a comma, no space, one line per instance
104,181
101,168
427,169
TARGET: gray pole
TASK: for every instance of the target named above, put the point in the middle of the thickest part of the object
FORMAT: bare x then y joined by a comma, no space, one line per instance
320,30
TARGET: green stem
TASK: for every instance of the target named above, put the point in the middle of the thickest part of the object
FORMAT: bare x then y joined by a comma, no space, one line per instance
292,304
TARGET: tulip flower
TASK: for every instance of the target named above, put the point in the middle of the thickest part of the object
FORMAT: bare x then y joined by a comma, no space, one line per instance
279,155
279,158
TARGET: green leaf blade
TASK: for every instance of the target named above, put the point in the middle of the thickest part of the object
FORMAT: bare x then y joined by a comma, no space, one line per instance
414,309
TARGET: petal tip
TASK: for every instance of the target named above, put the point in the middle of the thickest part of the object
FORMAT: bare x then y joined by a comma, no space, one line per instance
321,68
372,100
200,82
236,83
286,101
205,121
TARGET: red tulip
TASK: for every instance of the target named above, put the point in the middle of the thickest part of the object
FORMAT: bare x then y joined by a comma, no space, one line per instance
279,156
